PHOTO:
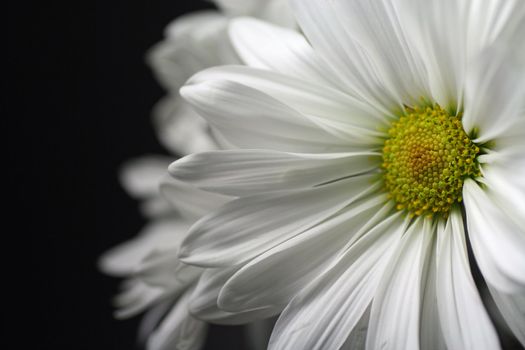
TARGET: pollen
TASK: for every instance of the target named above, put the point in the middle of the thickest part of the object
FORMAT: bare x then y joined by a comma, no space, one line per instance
426,159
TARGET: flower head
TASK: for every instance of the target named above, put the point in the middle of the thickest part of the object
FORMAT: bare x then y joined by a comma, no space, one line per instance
367,147
426,158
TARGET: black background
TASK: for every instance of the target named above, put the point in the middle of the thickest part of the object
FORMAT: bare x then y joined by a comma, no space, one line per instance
78,97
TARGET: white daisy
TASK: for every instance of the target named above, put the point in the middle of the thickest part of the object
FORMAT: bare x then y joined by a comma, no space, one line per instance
373,149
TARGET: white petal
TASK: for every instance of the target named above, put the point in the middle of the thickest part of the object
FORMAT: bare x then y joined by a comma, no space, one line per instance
459,302
471,26
508,148
498,243
266,46
512,308
180,129
495,91
162,268
444,51
322,31
136,297
378,28
193,42
506,185
125,258
274,11
191,25
275,276
156,208
366,44
190,201
430,333
248,226
325,106
323,315
179,330
141,177
395,316
172,64
203,302
250,119
494,20
245,172
152,318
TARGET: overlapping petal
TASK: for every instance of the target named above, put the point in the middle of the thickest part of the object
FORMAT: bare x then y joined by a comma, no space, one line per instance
395,315
323,315
495,91
190,201
512,308
178,330
505,185
137,296
140,177
180,129
248,118
299,260
162,268
317,101
247,172
460,305
497,241
192,42
443,52
365,42
431,333
277,49
248,226
124,258
203,303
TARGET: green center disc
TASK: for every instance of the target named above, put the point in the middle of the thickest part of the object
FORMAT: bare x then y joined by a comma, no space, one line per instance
426,158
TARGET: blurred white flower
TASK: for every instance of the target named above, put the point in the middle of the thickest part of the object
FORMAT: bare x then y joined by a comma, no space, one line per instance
192,43
157,282
274,11
410,105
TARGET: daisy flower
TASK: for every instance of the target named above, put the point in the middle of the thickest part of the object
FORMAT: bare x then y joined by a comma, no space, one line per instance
373,151
157,283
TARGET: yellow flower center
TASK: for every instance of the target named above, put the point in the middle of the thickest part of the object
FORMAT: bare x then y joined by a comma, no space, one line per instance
426,158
